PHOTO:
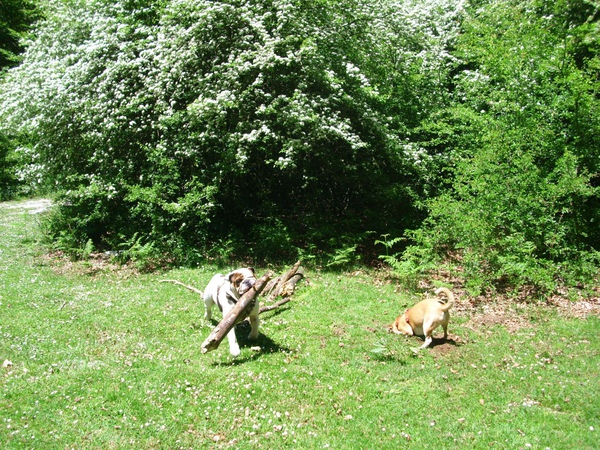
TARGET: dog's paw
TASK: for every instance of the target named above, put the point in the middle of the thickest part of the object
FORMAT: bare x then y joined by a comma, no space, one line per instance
235,352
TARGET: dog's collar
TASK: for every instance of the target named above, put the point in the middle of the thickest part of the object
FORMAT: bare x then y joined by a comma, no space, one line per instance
228,295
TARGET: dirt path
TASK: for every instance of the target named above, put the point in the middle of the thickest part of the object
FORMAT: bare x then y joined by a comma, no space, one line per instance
31,206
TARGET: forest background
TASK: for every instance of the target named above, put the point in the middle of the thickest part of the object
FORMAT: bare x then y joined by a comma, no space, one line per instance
430,134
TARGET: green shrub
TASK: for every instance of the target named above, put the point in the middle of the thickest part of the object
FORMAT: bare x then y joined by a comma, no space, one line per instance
522,203
195,124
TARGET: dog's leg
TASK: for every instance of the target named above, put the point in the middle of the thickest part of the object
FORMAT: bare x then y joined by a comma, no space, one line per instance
234,347
428,329
428,341
208,304
254,322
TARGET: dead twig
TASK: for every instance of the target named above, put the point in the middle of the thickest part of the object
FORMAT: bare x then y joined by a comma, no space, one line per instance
283,301
191,288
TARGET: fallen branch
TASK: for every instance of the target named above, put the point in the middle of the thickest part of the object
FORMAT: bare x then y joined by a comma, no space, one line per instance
278,289
239,312
283,286
283,301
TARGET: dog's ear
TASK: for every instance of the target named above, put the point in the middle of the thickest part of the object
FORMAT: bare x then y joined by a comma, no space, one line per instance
402,324
236,279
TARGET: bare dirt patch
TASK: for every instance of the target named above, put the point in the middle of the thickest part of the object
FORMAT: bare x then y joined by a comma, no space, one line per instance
580,309
513,313
510,321
441,347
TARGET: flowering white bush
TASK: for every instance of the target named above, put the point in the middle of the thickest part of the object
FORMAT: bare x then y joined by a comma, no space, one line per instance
217,106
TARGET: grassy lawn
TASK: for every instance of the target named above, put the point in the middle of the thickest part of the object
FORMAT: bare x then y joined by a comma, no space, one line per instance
94,356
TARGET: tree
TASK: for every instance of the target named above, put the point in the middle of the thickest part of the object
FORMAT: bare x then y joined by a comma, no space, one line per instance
522,208
16,18
264,124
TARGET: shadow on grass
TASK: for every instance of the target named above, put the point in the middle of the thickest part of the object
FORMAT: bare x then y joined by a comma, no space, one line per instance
277,311
443,342
436,342
266,344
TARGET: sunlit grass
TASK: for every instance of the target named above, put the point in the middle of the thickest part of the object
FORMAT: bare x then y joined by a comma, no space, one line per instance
111,359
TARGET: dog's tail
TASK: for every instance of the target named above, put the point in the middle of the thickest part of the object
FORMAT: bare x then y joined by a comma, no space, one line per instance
449,295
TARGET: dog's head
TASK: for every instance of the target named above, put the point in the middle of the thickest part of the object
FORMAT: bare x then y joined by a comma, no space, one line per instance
402,324
242,280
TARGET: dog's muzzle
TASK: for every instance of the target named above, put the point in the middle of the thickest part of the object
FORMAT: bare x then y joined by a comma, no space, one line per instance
246,285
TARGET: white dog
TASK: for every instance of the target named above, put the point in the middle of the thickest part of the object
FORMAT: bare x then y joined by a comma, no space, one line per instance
225,291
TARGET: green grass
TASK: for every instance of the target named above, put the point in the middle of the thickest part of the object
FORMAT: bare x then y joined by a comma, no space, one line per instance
106,358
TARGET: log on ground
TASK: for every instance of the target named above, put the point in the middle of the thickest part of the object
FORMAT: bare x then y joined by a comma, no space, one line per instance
284,287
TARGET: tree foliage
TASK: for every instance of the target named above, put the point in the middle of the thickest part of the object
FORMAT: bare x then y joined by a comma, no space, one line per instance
289,128
195,122
16,18
523,205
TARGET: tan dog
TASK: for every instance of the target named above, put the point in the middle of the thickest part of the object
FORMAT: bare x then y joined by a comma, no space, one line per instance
425,317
